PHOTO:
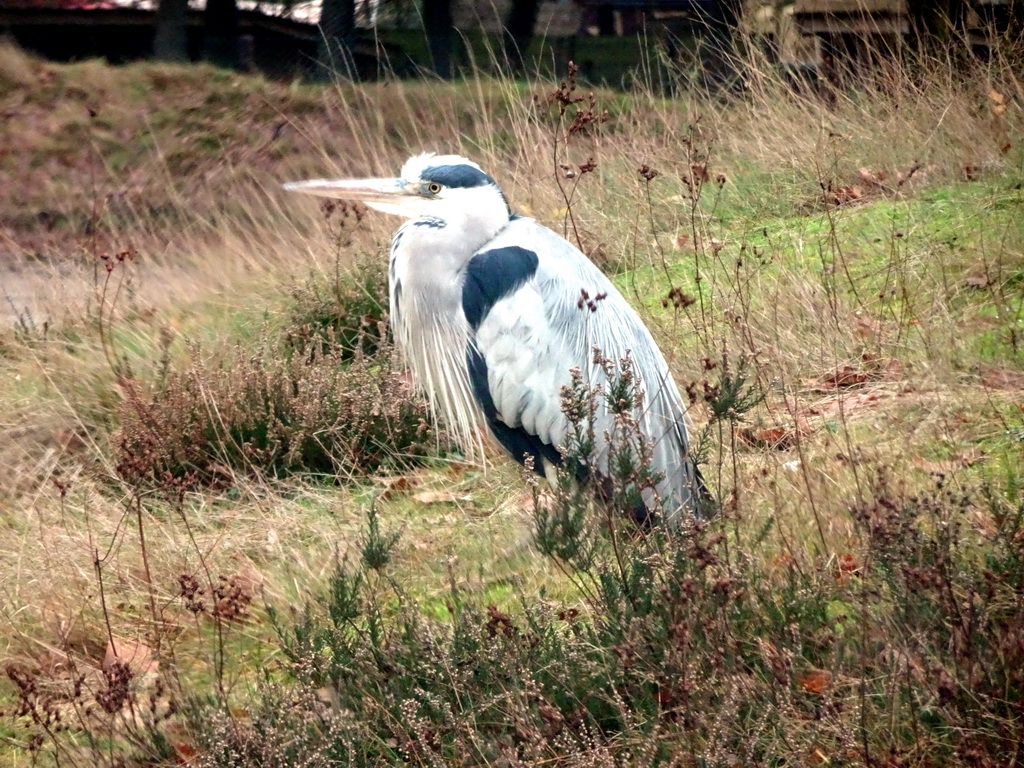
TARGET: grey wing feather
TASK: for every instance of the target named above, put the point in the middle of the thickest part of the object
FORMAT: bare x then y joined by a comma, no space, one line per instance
532,338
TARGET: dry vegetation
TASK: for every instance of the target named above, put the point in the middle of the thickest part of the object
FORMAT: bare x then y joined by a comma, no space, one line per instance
230,536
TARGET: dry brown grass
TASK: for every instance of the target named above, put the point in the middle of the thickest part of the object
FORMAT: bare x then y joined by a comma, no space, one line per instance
863,252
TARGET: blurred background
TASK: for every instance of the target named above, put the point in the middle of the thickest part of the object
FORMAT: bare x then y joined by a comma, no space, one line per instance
367,39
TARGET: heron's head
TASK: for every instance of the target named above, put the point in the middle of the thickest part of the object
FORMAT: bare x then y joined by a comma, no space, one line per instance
445,187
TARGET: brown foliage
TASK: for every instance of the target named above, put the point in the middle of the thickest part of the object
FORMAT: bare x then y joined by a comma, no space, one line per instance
263,412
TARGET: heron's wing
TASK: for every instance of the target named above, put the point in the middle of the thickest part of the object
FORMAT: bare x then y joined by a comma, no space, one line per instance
528,298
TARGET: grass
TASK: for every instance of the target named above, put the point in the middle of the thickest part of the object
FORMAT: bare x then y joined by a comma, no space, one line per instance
860,258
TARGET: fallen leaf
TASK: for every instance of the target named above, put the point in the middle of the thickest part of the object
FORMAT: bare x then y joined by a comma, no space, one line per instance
686,243
843,195
458,468
847,376
394,486
782,561
870,178
814,681
184,751
848,563
847,566
179,738
778,438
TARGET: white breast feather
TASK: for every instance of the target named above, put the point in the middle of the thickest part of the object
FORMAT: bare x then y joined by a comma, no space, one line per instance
437,361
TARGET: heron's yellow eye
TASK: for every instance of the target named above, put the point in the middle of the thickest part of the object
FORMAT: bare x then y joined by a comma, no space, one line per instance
433,188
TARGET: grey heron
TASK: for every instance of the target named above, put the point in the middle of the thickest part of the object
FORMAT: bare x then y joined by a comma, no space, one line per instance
485,306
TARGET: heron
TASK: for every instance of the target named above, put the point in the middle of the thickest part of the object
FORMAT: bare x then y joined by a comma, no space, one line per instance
486,307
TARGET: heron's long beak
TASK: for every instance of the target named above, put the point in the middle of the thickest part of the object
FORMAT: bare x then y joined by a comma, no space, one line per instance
388,195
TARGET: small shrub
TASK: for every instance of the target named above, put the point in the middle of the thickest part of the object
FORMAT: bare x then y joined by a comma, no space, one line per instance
672,655
343,313
683,645
264,411
951,564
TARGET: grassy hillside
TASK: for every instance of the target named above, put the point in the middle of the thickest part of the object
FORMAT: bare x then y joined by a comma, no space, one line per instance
232,536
